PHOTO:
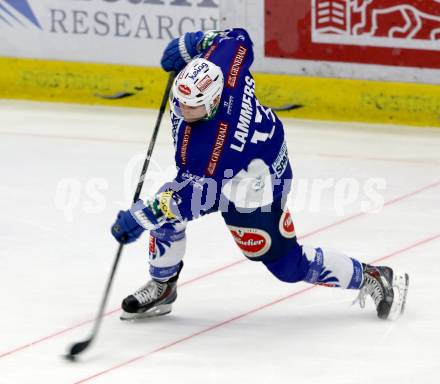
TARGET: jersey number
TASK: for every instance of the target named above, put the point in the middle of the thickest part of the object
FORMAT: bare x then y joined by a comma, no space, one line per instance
262,136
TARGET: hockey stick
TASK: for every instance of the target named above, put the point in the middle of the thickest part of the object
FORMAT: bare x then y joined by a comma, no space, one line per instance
79,347
122,95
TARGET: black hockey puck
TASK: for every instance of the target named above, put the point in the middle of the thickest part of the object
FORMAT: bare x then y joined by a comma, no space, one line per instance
69,357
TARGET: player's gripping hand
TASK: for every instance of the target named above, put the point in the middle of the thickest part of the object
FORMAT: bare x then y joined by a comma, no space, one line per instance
130,224
180,51
126,229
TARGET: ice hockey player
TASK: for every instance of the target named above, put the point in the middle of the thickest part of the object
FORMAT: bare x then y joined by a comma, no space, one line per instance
231,157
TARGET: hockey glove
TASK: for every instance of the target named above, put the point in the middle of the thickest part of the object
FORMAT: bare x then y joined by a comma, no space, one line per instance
180,51
130,224
126,229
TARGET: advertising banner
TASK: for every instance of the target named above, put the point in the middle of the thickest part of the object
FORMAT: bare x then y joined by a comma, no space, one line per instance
353,60
108,31
400,33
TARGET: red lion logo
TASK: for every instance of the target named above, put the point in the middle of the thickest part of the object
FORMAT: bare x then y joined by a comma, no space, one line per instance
420,18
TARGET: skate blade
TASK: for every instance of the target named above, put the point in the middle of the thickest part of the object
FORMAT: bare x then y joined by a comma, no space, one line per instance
400,287
160,310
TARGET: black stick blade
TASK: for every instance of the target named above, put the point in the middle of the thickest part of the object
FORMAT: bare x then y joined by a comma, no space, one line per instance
77,348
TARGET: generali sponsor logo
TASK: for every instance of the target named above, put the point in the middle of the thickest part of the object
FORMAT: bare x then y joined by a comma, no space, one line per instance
217,150
286,226
236,65
185,143
210,51
253,242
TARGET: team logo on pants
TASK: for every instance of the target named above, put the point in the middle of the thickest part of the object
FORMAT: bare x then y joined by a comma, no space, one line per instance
253,242
286,226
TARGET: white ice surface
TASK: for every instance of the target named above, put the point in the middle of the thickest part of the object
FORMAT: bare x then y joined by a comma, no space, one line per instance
228,326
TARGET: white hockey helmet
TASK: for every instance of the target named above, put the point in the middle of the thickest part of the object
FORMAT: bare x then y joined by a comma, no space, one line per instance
199,83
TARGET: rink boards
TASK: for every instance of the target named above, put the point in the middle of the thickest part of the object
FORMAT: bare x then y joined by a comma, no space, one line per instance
304,97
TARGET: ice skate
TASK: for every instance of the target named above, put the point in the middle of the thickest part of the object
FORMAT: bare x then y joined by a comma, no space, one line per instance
153,299
387,289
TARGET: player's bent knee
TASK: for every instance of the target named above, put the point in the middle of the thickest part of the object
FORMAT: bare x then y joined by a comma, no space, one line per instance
269,236
291,267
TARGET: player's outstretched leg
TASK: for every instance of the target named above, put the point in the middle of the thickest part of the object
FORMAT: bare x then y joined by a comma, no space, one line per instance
318,266
387,289
167,247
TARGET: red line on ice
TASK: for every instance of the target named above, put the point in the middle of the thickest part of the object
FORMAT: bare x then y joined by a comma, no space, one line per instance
134,141
61,137
372,158
318,230
238,317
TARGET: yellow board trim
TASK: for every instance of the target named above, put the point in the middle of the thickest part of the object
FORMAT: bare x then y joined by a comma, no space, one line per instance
314,98
353,100
83,83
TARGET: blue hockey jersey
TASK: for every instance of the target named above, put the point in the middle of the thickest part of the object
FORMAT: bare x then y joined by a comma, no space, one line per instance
239,157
